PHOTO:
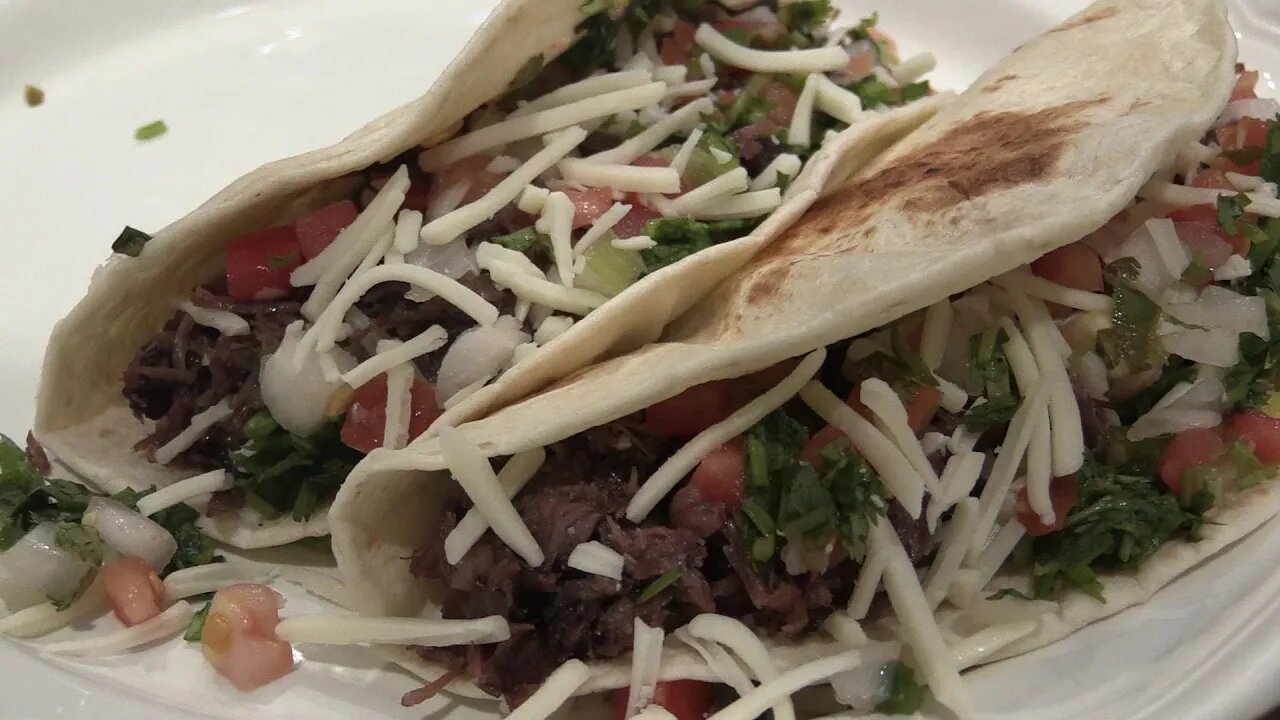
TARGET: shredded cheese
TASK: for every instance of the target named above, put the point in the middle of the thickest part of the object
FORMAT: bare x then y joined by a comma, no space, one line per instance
1183,196
201,423
900,478
545,292
408,225
184,490
690,89
671,74
379,250
937,331
359,629
746,644
885,404
639,242
471,470
596,558
1039,452
585,89
682,119
988,641
395,428
718,661
553,693
646,657
1006,465
451,225
744,205
202,579
532,198
1036,286
558,216
429,340
951,551
686,458
838,102
913,68
539,123
786,164
998,551
681,159
173,620
845,629
801,128
954,397
756,702
734,181
792,62
623,178
224,321
959,477
602,225
868,582
512,478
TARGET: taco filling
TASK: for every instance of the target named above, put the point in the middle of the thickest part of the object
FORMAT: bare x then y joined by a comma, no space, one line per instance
1011,443
666,129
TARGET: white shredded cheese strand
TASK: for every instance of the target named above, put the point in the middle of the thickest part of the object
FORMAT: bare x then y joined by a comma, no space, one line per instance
919,627
646,656
868,582
954,397
1037,286
444,229
553,693
801,128
192,581
936,332
358,629
47,617
690,89
544,292
602,225
951,551
734,181
707,64
471,470
1039,453
671,74
1172,252
793,62
171,621
718,661
395,428
1006,465
184,490
885,404
596,558
201,423
539,123
845,629
785,164
429,340
639,242
684,118
746,644
998,551
552,328
585,89
1183,196
447,200
532,198
838,102
224,321
379,250
687,458
623,178
681,159
900,478
323,334
756,702
988,641
959,477
513,477
744,205
408,225
558,215
913,68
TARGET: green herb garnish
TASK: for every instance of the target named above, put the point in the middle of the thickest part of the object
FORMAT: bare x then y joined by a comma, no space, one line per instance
195,630
906,694
664,581
150,131
33,96
678,238
520,240
284,473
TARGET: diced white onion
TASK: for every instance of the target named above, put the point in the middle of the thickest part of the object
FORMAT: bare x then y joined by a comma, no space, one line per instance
1172,252
476,353
1218,307
552,328
1196,404
596,558
36,568
1234,268
130,533
297,394
46,617
1092,372
1258,108
1215,346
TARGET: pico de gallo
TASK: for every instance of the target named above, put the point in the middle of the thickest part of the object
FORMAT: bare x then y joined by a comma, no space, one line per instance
357,325
1015,442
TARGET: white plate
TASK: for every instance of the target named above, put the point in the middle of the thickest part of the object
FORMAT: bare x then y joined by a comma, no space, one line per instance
239,84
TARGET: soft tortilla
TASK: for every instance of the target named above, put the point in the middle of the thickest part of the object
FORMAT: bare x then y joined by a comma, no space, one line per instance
1042,150
83,420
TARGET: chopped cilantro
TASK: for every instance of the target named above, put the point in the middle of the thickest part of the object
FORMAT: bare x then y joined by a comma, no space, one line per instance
873,92
664,581
862,31
151,131
1271,154
1134,318
33,96
285,473
195,630
520,240
678,238
806,16
914,91
130,242
749,105
27,498
1009,593
1231,209
598,32
81,540
906,694
911,363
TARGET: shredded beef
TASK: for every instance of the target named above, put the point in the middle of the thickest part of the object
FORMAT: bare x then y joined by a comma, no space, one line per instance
652,551
36,455
689,511
914,533
561,518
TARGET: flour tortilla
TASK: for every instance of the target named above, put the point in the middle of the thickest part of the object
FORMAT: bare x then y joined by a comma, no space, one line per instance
83,420
1043,149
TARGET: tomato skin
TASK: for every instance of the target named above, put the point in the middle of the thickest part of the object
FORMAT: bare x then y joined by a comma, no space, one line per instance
1198,220
1188,449
1064,492
259,263
677,47
589,205
1244,134
812,452
685,699
134,591
1210,179
472,170
363,426
239,638
632,224
1074,266
317,230
692,411
922,407
1260,432
722,474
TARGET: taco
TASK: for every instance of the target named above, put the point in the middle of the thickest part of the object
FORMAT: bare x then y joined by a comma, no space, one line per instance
575,179
1015,372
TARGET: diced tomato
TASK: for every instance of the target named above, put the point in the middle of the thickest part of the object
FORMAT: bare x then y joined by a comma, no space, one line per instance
1188,449
685,699
922,407
749,387
1206,244
861,64
1246,85
1211,179
365,423
1063,494
1206,216
259,263
1260,432
632,224
1247,133
783,99
471,170
589,204
692,411
722,474
318,229
652,159
239,637
677,47
1075,266
134,591
812,452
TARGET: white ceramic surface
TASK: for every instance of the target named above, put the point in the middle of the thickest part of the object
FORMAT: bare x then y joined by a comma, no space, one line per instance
241,83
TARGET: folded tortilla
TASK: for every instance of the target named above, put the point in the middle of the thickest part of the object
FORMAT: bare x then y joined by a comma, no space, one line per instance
1042,150
86,424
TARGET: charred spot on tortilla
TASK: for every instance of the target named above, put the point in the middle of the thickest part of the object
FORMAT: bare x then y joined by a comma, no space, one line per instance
1087,19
